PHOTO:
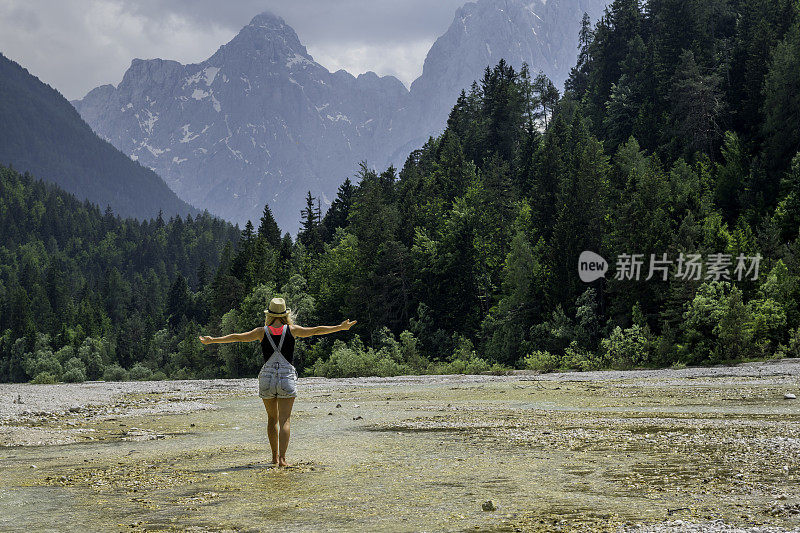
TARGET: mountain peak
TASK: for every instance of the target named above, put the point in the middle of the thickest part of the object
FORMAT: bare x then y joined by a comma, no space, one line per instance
267,34
268,20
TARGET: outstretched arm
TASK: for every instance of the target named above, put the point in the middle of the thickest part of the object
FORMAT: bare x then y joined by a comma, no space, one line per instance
255,335
300,331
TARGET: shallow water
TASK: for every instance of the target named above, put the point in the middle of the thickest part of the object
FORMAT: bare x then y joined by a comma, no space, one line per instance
424,456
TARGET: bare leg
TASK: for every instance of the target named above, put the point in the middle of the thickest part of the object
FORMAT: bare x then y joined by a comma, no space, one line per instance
272,426
284,412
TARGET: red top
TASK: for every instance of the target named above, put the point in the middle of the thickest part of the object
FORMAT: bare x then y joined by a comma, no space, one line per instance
276,330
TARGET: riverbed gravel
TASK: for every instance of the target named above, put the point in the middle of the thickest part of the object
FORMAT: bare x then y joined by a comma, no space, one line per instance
682,449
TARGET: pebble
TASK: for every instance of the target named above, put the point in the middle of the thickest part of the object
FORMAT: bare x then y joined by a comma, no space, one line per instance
356,405
488,505
358,418
33,466
330,413
789,396
338,405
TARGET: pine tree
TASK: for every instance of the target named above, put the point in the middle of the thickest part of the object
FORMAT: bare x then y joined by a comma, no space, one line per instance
309,233
268,229
308,220
202,275
546,96
782,104
504,108
582,216
339,211
730,177
178,301
578,81
248,233
698,104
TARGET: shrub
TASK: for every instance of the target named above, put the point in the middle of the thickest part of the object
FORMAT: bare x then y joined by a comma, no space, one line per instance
768,320
576,358
554,335
42,361
386,344
65,354
476,365
74,375
387,367
94,353
541,360
463,360
500,369
665,346
44,378
718,326
75,364
626,348
183,373
353,360
139,372
395,358
115,373
703,313
410,353
734,330
347,360
158,375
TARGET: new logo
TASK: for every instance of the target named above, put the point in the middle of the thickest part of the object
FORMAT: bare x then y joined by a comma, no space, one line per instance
591,266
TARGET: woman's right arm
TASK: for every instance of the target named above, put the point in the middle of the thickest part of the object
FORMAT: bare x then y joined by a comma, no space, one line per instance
254,335
300,331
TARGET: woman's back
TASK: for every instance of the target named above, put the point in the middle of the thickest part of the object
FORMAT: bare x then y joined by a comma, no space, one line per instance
288,342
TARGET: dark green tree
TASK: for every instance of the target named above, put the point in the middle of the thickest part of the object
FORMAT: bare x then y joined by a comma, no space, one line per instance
268,229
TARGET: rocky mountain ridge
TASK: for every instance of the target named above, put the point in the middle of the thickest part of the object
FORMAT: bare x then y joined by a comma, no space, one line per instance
261,122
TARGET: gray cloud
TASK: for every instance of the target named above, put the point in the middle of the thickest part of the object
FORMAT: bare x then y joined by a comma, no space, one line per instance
76,45
325,20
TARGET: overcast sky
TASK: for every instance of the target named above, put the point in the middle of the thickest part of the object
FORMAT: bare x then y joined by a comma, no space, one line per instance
76,45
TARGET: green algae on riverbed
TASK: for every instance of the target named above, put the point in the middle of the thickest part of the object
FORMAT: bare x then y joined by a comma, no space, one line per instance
425,455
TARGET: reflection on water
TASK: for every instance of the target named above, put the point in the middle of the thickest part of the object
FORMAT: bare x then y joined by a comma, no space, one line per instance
424,457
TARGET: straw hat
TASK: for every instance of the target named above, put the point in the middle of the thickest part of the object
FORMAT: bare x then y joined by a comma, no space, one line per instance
277,308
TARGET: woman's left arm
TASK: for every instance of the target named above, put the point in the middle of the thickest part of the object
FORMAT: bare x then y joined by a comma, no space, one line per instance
300,331
254,335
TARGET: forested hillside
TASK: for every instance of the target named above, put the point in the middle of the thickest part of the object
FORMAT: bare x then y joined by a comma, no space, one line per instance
678,133
41,133
83,292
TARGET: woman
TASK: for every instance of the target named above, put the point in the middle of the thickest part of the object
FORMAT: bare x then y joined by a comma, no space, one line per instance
277,384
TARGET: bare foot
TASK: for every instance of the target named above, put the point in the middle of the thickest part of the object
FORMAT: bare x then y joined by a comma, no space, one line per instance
282,461
275,460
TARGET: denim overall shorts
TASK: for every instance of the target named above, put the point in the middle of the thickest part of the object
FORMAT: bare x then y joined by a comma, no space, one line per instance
278,377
